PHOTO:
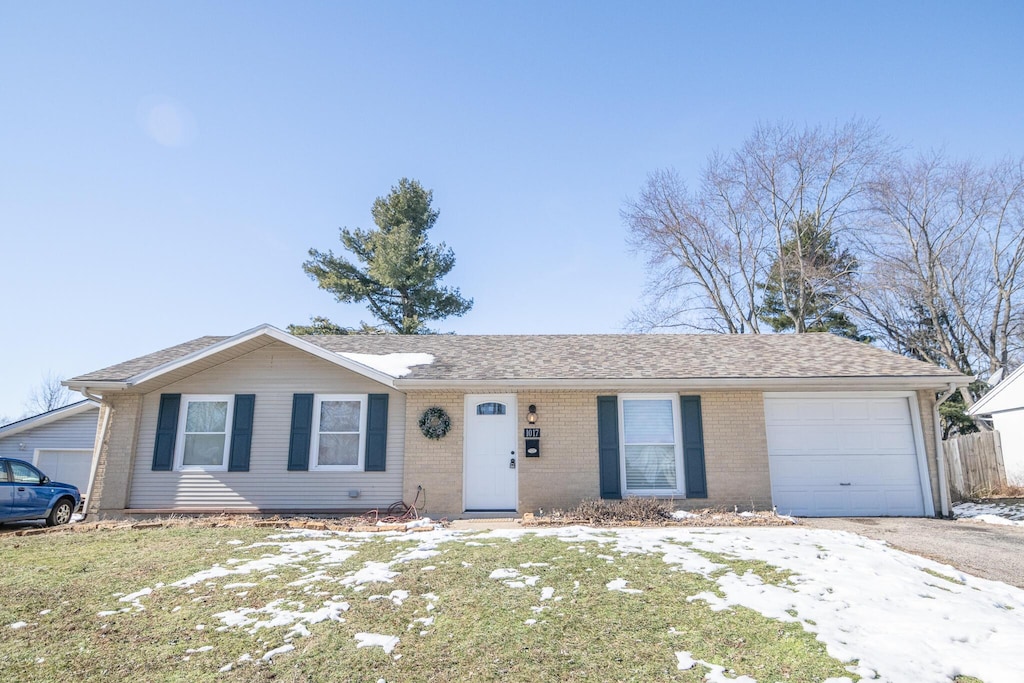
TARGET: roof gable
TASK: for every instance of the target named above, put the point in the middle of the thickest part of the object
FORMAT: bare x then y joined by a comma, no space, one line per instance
1007,395
163,363
49,416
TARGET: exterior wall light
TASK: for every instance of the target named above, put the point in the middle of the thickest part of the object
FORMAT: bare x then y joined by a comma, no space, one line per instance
531,416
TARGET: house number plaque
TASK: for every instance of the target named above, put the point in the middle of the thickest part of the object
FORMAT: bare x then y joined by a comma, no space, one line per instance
531,433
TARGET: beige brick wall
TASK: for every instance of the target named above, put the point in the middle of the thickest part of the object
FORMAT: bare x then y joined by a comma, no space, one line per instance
112,482
567,470
736,451
434,465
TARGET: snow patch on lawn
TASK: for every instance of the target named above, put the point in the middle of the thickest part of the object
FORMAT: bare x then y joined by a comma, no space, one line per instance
372,572
277,613
277,651
504,573
863,599
620,585
133,597
715,674
388,643
397,597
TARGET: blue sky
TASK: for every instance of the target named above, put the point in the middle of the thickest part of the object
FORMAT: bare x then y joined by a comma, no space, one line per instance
164,167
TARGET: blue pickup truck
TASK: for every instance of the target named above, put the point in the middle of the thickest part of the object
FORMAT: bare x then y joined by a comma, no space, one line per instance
26,493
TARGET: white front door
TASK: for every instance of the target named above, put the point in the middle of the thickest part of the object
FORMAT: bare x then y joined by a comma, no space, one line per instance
491,452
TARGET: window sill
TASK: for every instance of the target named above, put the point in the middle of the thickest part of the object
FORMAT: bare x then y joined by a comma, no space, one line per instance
336,468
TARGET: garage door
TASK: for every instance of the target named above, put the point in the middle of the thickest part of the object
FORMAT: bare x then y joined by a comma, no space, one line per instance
843,455
68,466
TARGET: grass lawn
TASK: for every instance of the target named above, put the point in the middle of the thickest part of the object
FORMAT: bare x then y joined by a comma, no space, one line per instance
455,617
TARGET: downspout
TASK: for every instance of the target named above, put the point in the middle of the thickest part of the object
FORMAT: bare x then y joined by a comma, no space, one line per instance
101,435
940,451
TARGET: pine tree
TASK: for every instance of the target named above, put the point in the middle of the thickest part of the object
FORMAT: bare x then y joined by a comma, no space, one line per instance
807,283
398,272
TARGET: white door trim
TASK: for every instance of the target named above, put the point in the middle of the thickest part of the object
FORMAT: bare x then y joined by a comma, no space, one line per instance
510,401
915,421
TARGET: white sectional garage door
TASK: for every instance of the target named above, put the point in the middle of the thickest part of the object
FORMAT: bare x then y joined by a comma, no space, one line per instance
67,466
838,455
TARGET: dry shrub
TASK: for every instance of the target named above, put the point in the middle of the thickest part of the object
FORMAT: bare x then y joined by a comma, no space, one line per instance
1004,491
632,509
635,511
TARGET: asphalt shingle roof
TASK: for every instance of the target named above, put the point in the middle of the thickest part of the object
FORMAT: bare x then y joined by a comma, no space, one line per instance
590,357
136,366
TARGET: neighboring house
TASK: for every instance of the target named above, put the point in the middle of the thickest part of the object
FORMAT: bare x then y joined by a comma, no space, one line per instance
60,442
266,421
1005,403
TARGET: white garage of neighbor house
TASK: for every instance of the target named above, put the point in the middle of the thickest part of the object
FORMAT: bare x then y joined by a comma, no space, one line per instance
1005,404
59,442
810,423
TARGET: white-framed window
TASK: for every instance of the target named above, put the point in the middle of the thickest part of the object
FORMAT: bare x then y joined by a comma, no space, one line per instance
204,432
339,432
650,444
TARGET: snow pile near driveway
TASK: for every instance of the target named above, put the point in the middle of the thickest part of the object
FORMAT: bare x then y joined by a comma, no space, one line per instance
992,512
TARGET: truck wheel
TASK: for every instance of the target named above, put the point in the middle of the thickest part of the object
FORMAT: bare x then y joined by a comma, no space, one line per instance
61,513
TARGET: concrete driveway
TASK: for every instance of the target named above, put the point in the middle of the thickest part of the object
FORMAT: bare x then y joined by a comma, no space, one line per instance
987,550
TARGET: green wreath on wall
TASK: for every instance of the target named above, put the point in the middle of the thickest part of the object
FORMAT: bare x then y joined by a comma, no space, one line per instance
435,423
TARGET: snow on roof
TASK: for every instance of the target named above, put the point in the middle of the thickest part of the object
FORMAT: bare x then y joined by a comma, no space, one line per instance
394,364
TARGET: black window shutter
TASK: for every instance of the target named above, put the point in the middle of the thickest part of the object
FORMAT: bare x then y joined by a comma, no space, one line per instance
241,433
376,433
608,445
693,447
166,432
302,431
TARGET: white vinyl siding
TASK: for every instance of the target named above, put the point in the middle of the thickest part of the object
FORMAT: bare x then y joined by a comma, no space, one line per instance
651,460
274,374
69,433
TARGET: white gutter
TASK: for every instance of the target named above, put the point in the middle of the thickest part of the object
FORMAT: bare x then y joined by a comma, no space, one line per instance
83,388
704,383
940,453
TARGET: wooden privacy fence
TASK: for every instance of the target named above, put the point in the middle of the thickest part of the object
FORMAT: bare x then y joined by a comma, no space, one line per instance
974,465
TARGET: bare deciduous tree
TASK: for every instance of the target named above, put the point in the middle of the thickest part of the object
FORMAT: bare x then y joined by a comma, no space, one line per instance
945,263
711,250
49,395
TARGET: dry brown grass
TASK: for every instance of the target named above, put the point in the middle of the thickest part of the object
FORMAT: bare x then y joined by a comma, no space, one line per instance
364,523
999,492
